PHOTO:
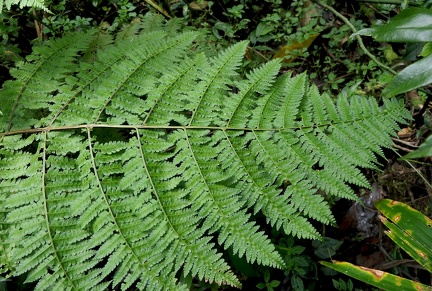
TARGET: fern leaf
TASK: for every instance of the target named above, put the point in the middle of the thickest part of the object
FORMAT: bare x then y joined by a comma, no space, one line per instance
216,77
39,79
23,3
125,165
240,106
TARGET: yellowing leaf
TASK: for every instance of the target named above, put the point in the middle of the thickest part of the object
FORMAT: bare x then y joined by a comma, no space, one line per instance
198,5
389,54
158,8
290,52
376,278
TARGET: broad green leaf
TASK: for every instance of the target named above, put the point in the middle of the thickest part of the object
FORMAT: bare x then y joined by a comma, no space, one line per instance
424,150
427,50
263,29
410,25
376,278
410,229
415,75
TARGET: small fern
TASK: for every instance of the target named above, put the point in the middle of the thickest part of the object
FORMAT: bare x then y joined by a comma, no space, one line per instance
126,164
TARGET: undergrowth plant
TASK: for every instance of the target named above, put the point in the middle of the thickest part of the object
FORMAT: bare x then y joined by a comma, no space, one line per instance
409,229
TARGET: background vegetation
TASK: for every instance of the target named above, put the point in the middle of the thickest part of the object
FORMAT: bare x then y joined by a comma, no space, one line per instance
311,38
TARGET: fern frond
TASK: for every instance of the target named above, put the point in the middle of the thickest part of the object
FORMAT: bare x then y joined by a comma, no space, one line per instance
239,107
117,73
124,166
38,81
216,78
23,3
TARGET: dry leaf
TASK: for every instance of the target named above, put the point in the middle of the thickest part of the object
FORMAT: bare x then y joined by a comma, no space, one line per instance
290,52
198,5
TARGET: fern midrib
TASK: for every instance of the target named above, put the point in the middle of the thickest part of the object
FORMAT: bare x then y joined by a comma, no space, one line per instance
150,179
169,127
261,193
270,156
106,68
247,94
48,224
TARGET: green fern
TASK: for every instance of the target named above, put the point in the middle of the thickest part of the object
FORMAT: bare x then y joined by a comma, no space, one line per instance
23,3
128,164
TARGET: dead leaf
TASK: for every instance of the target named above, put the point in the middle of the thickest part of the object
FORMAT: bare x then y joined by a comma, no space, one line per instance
291,51
200,5
405,132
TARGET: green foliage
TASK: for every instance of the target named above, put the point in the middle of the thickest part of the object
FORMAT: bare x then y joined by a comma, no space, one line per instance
333,60
9,51
424,150
342,285
411,26
22,4
267,284
69,15
326,248
414,238
124,164
299,267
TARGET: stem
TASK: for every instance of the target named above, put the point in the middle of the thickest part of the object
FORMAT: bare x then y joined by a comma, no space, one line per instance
359,39
389,2
425,180
37,24
158,8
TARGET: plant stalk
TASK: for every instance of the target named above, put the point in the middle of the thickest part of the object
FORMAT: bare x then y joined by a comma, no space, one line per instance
390,2
358,37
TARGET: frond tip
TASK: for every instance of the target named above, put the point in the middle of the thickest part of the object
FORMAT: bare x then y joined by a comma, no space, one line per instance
129,167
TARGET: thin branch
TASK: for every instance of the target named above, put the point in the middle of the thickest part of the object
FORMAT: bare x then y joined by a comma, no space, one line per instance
359,39
397,2
158,8
38,25
425,180
410,144
258,53
402,148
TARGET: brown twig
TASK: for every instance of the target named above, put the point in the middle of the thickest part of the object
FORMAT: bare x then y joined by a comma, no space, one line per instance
402,148
404,142
258,53
38,25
